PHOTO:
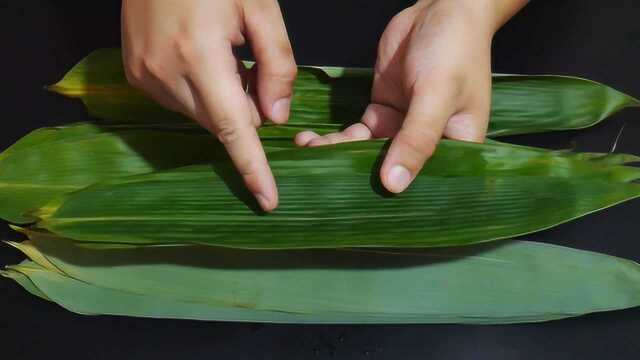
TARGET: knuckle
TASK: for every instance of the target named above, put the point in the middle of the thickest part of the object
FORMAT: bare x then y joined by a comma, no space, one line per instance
455,77
134,72
440,83
154,66
190,48
421,140
287,71
148,66
421,87
227,134
284,52
134,76
280,71
281,64
290,70
379,68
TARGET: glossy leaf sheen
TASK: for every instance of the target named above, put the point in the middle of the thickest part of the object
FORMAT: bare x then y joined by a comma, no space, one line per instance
53,161
506,283
468,193
330,198
327,98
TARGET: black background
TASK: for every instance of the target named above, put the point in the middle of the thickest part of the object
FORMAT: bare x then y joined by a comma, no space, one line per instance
40,40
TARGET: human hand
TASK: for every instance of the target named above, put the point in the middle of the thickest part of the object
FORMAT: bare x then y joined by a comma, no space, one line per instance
432,78
181,54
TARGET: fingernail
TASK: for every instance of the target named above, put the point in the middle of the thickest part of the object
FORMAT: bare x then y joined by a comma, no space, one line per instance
398,179
264,202
280,110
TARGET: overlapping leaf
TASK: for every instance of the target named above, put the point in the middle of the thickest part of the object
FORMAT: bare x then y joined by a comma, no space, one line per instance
490,284
327,98
107,195
330,197
53,161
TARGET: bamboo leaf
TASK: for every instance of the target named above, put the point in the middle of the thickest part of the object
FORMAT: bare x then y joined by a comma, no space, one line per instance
99,81
54,161
23,280
468,193
327,98
51,162
490,284
558,103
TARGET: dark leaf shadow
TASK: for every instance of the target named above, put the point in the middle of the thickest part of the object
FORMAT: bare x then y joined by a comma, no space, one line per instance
211,258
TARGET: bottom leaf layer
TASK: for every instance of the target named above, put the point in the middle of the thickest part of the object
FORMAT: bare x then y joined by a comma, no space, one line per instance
510,282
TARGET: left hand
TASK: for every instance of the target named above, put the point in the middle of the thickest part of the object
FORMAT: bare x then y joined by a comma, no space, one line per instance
432,79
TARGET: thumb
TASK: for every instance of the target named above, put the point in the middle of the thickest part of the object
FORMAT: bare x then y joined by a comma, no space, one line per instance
419,135
276,66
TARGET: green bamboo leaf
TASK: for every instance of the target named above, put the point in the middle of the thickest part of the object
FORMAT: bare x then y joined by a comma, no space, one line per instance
327,98
54,161
23,280
524,104
490,284
468,193
99,81
50,162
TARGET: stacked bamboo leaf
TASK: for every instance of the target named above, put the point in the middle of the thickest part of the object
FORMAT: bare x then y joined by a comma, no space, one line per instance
328,98
142,214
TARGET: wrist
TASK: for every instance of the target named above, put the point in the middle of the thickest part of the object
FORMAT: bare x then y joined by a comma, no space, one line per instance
490,14
503,10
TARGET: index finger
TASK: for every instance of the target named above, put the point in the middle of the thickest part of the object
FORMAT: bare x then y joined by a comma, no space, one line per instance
223,107
429,110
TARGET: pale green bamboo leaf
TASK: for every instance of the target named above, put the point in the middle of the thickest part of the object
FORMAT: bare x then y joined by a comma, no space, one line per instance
510,282
23,280
327,98
468,193
86,299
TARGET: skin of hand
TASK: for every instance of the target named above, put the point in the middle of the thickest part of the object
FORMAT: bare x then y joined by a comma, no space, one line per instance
180,53
432,79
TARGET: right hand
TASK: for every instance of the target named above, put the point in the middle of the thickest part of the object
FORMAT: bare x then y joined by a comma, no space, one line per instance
180,53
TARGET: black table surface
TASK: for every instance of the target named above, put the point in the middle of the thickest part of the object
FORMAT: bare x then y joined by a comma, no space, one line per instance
589,38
